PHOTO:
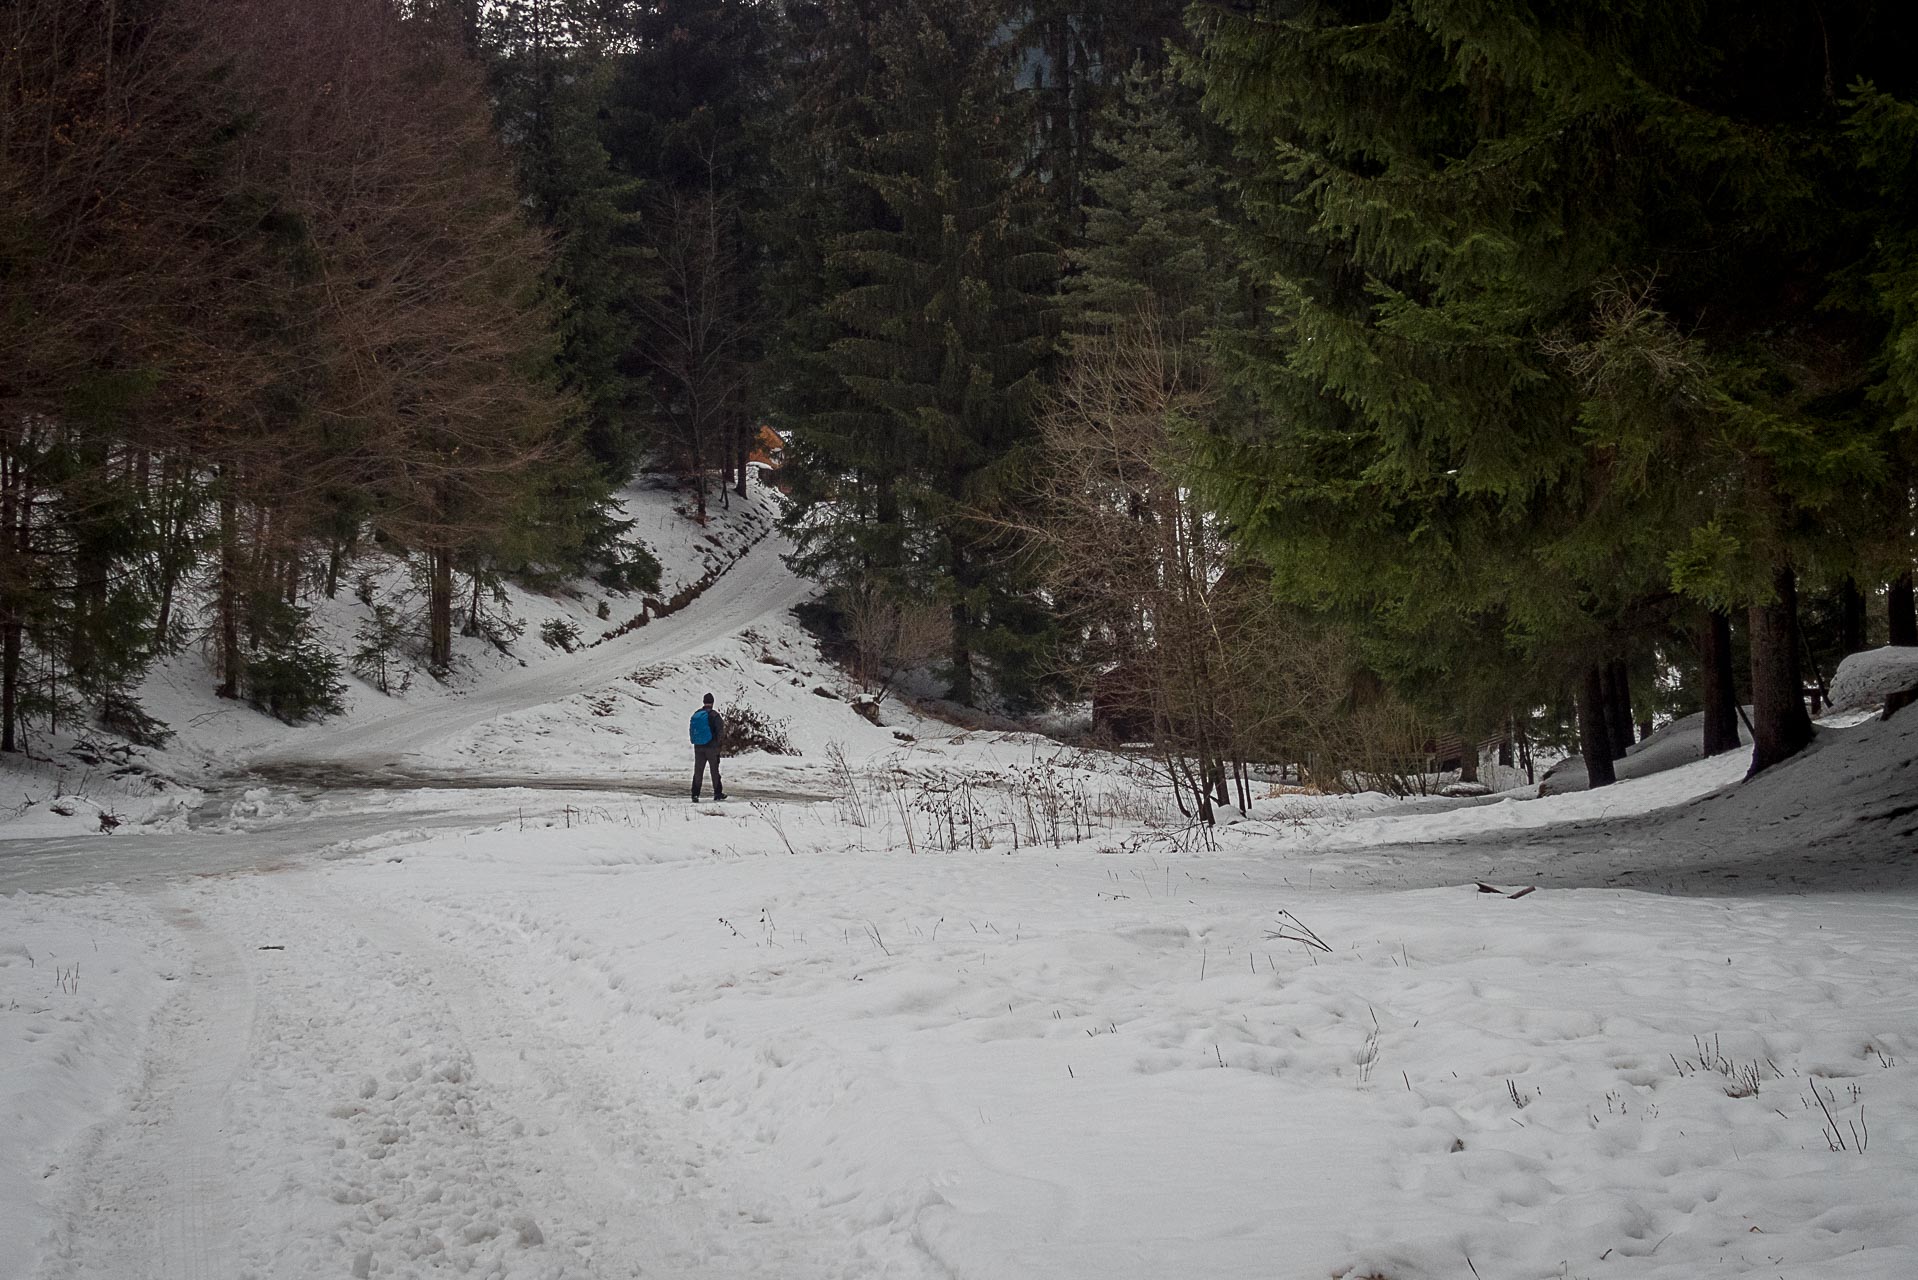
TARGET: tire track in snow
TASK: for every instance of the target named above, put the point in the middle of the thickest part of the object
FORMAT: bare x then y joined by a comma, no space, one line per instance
599,1164
153,1197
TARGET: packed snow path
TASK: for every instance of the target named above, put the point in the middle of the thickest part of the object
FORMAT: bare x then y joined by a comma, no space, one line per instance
757,589
657,1043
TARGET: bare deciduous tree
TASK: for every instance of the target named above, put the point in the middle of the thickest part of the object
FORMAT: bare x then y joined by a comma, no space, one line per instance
889,633
1134,551
1177,638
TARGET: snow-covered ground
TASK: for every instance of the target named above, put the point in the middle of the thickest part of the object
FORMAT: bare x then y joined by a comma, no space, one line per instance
471,989
1865,679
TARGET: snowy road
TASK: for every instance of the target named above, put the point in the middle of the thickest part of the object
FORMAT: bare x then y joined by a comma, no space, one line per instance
473,991
659,1044
154,1193
758,589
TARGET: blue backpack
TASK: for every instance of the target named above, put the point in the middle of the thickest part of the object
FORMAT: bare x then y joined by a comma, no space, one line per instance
702,727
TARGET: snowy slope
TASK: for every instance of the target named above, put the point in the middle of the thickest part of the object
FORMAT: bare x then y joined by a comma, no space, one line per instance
1678,743
1865,680
61,792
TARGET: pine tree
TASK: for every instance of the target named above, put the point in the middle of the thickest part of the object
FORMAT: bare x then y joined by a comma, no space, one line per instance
1547,340
940,333
1154,240
294,296
1137,565
551,75
686,112
1882,129
1076,55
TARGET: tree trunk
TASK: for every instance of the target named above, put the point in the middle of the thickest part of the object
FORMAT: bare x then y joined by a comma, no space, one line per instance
960,566
10,635
1618,706
1720,686
1467,759
699,470
1505,745
1594,734
472,627
1607,702
228,604
13,543
1851,619
1904,619
92,568
439,610
1196,788
960,690
252,573
175,529
1780,726
745,459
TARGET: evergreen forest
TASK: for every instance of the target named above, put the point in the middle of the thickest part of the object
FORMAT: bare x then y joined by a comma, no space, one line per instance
1335,385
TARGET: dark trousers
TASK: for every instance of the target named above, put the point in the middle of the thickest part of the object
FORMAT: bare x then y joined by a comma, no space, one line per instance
702,757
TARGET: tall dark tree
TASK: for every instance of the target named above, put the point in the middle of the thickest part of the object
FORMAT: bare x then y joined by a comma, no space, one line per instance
688,115
1154,241
938,332
1545,279
1718,684
552,72
1077,53
269,282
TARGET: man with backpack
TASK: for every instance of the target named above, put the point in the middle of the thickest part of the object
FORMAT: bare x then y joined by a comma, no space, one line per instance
708,732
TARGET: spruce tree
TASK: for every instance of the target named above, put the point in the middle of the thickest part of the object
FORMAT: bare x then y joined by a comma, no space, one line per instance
551,76
1154,240
1882,128
938,334
1547,337
686,116
1076,56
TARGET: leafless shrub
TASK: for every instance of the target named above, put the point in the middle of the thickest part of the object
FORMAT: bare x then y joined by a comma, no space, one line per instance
889,633
1743,1078
1184,645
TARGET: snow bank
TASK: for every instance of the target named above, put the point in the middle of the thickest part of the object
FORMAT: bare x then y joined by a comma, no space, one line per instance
1679,743
1840,814
1865,680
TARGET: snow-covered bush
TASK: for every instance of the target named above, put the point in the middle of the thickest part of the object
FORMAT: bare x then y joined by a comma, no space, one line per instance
749,729
294,681
559,633
1867,679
